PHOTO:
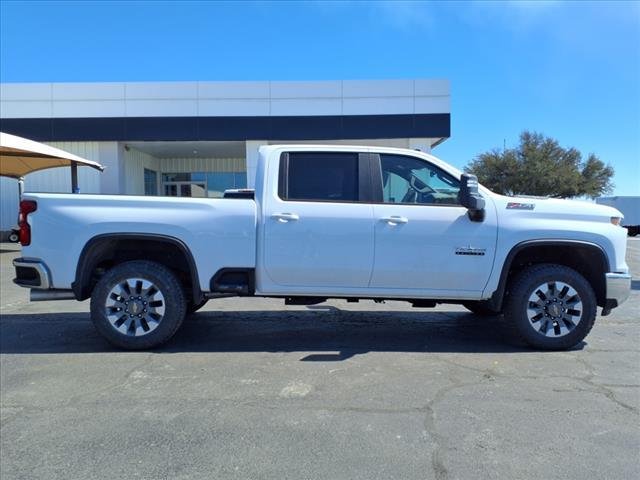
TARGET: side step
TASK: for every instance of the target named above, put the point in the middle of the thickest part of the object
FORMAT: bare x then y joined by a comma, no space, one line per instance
233,289
304,300
234,281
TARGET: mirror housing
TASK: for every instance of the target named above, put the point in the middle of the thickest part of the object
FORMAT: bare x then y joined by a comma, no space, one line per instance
470,198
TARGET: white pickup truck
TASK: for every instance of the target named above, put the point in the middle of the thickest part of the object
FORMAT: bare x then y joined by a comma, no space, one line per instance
328,222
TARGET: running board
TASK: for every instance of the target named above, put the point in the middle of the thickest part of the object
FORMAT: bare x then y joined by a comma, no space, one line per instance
304,300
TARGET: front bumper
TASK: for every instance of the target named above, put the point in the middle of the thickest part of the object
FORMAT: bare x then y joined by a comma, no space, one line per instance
618,290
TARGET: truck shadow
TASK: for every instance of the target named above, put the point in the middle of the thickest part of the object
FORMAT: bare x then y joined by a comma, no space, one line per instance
332,335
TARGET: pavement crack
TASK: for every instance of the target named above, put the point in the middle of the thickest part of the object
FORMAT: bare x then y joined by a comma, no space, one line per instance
599,388
440,470
98,391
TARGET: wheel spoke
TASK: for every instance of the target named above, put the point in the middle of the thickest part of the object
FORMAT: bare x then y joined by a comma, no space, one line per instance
151,291
118,323
144,324
551,289
131,326
572,300
537,317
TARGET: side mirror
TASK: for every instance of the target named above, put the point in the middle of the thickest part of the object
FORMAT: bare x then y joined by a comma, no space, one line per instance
470,197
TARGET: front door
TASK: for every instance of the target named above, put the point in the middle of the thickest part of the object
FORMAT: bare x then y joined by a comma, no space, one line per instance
424,239
317,233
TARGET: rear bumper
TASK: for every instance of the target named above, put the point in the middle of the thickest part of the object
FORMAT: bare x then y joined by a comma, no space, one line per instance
618,289
32,273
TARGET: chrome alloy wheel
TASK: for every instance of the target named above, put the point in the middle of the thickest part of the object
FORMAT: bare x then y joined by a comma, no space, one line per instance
135,307
554,309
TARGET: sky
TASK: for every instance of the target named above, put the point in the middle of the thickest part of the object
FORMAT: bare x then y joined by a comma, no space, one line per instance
568,70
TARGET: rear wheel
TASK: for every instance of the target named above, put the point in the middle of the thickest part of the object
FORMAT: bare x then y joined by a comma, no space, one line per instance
552,306
481,308
138,305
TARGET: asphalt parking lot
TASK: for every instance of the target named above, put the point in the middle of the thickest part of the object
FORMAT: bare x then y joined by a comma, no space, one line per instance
253,389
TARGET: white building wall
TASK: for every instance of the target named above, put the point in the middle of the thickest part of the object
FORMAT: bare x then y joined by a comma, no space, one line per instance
209,165
8,203
57,180
260,98
252,153
135,162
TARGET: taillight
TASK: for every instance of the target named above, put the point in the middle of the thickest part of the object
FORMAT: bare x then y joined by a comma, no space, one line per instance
26,207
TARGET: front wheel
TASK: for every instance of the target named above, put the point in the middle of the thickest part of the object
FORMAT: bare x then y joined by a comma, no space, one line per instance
553,307
138,305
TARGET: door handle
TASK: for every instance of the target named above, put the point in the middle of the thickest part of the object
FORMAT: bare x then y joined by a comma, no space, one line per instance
285,217
395,220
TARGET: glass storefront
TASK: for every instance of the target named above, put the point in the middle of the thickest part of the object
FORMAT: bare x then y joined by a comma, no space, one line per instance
200,184
150,182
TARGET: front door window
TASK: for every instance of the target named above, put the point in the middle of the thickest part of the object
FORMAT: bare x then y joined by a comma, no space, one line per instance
409,180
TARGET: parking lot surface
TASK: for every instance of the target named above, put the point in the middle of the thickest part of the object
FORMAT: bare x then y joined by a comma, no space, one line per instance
253,389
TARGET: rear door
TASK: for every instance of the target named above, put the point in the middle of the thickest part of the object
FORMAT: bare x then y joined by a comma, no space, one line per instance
424,239
318,232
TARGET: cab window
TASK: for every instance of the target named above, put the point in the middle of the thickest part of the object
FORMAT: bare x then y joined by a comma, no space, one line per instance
319,176
409,180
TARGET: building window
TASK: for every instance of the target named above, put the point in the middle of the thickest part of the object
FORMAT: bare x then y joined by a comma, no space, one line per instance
200,184
150,182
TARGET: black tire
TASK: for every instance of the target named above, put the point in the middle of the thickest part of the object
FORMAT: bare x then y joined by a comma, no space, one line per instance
14,237
481,308
173,299
194,307
517,306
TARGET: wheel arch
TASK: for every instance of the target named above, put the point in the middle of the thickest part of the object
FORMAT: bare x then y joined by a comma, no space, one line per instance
587,258
104,249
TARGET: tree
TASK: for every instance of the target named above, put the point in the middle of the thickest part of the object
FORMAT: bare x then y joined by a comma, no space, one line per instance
540,166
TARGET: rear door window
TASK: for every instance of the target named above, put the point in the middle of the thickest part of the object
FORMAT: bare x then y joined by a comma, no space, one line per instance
320,177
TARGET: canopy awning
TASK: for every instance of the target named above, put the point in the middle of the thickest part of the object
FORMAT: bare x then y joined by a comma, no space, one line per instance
19,156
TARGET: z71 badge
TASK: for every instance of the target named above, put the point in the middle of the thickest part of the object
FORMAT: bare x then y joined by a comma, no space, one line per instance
520,206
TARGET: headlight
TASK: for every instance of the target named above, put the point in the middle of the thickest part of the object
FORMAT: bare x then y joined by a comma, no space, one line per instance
616,220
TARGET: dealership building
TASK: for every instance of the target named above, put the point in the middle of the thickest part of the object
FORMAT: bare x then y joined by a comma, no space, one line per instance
200,138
